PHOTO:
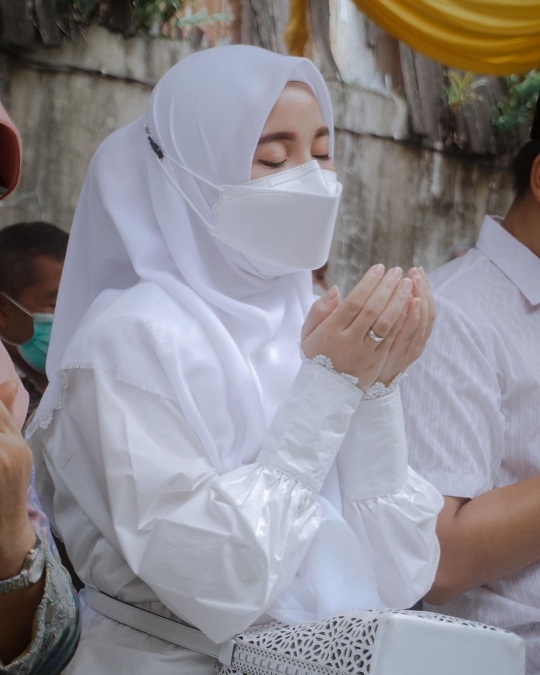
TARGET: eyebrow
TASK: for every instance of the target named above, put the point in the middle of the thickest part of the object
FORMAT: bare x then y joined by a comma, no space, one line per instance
289,136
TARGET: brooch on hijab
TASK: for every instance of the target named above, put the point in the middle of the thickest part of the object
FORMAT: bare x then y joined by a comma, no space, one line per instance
155,147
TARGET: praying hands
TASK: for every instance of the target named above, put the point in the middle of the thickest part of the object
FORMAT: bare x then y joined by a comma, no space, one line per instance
378,331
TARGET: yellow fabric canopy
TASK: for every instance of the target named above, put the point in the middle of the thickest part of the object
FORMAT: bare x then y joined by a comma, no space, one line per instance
493,37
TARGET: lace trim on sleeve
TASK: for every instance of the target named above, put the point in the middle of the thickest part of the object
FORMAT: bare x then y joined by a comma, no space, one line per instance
326,362
378,390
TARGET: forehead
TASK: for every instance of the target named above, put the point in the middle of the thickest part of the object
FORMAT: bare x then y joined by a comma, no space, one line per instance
295,102
47,270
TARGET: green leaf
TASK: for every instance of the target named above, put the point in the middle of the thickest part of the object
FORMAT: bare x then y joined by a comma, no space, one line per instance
516,108
461,90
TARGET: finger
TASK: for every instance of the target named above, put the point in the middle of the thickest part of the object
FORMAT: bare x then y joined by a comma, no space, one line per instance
353,304
8,394
410,326
393,310
320,311
396,328
419,338
432,305
424,293
376,303
415,276
424,318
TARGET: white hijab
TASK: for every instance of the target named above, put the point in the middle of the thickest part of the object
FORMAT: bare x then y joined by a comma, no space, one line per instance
226,336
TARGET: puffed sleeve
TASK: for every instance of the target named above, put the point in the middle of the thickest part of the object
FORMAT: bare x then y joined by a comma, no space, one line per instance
388,505
216,549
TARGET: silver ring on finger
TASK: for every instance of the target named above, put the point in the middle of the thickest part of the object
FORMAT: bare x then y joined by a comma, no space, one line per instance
373,335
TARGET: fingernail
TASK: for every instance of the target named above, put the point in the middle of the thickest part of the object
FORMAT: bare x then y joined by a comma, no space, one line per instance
406,285
422,271
331,293
396,273
378,270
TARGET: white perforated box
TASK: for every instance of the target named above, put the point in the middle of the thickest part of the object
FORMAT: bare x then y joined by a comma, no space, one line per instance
379,642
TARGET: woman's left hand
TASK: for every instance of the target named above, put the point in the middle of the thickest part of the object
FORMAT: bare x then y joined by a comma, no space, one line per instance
416,327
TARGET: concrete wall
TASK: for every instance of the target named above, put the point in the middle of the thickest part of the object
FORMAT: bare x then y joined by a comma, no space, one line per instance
64,116
402,204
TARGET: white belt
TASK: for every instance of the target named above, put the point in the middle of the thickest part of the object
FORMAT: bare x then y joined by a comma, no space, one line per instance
390,641
158,626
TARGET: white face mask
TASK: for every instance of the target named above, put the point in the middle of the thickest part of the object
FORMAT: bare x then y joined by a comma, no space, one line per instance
286,219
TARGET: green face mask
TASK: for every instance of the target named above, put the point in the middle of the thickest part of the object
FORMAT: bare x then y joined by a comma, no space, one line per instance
34,351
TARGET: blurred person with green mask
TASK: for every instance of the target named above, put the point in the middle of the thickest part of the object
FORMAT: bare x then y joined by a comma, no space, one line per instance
31,261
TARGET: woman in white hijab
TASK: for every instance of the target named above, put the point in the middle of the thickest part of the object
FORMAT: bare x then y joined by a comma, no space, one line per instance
199,469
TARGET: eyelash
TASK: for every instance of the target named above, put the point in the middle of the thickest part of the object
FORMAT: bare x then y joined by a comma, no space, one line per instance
276,165
272,165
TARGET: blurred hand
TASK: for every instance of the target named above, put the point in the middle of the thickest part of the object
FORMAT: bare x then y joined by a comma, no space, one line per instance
16,533
340,330
416,327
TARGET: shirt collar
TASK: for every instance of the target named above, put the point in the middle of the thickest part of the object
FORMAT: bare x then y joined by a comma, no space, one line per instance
512,257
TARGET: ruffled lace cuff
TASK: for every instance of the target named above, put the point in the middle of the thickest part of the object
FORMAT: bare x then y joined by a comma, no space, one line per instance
379,390
326,362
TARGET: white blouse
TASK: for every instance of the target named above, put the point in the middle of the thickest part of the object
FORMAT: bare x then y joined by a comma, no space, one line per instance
146,518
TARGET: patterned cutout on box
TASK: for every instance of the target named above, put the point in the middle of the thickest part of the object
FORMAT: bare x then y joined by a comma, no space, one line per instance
342,644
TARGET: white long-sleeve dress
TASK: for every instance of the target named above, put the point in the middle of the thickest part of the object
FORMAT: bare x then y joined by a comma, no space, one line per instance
146,518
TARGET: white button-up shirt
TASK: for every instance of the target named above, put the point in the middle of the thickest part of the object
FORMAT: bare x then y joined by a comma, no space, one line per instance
472,404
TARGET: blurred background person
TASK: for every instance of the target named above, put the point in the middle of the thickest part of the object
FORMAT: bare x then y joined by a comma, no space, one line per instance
31,261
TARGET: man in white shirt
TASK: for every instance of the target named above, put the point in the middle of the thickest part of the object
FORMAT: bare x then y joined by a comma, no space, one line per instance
472,405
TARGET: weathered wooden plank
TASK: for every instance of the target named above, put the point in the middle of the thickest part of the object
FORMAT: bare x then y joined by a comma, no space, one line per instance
268,22
249,35
424,82
16,23
475,131
385,50
320,33
47,22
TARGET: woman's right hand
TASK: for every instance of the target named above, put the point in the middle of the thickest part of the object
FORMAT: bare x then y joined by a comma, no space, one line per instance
340,330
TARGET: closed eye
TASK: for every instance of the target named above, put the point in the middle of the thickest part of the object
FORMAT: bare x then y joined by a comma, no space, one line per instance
272,165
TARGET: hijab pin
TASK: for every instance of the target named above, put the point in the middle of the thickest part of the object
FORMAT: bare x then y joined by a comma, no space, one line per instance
155,147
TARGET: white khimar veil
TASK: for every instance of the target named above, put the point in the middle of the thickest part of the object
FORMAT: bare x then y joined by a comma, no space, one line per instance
150,295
